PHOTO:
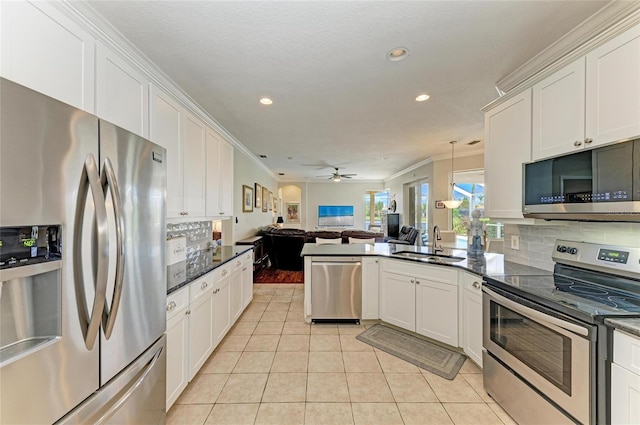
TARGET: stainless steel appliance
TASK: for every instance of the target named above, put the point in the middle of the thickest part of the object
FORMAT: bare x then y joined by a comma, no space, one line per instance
82,267
336,289
598,184
547,351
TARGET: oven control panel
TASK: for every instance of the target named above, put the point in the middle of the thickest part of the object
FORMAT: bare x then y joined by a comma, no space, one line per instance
606,258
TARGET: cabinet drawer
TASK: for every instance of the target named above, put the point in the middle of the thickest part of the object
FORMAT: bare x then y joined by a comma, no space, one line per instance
177,302
443,274
247,258
201,287
236,263
626,351
221,272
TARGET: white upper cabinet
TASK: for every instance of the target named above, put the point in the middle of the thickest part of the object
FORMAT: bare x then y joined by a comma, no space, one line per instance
122,92
219,174
165,130
613,89
558,112
194,165
591,102
46,51
507,145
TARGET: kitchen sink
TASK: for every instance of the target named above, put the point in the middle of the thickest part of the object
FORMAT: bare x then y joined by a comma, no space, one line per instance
423,256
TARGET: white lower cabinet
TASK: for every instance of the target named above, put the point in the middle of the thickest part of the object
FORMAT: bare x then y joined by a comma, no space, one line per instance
201,317
625,379
471,316
397,300
177,344
370,288
198,318
421,299
247,278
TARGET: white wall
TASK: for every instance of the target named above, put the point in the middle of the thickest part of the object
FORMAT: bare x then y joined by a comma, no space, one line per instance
331,193
246,172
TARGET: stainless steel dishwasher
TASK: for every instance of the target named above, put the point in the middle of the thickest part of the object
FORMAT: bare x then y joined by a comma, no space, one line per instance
336,289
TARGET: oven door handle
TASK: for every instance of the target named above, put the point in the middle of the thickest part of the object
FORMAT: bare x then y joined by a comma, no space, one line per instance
534,314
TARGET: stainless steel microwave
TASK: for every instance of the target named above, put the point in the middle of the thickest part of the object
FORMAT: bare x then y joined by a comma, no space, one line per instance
601,184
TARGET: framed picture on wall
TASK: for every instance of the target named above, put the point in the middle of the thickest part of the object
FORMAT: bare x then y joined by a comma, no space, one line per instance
258,203
247,198
275,205
270,201
292,210
265,198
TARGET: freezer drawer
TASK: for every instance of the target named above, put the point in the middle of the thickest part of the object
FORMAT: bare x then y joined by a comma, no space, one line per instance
336,289
136,396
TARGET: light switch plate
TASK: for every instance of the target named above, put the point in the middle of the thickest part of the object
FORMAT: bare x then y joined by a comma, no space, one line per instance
515,242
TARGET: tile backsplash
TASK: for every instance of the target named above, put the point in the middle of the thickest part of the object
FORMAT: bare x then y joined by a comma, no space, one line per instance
198,234
537,241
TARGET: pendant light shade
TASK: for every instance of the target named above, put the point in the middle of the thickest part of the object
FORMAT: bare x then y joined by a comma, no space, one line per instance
452,203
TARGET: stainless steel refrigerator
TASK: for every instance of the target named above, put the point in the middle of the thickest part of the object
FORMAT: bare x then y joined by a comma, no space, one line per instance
82,267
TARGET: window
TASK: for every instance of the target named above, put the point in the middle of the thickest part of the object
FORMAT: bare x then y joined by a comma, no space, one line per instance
469,188
376,202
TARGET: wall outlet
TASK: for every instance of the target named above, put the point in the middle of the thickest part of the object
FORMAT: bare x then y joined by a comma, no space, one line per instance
515,242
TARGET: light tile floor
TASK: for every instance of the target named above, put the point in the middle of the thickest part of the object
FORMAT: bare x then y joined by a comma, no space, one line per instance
272,368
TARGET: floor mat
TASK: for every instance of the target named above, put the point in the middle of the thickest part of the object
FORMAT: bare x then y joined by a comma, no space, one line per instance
424,354
278,276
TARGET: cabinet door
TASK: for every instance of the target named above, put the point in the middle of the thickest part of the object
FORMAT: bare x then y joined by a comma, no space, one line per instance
507,146
122,92
219,176
472,324
613,89
625,396
226,179
46,51
236,295
177,356
221,310
436,310
370,288
200,332
194,164
247,279
558,112
165,131
397,300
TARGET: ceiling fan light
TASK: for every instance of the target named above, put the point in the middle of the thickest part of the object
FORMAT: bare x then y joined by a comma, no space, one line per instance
336,178
452,203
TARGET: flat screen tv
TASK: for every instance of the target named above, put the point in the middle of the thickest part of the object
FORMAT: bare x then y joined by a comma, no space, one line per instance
335,215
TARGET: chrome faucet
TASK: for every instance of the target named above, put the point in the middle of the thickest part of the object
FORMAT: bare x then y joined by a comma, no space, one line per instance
436,238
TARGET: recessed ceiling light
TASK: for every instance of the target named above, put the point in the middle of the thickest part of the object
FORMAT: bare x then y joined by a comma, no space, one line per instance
281,174
262,156
397,54
422,97
266,101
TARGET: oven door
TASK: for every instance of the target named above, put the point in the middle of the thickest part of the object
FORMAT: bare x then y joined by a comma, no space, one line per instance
553,355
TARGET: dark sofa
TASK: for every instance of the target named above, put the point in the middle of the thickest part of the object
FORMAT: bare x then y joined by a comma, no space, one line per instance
284,245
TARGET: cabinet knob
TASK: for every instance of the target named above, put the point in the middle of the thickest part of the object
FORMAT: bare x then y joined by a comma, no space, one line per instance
577,143
221,212
413,281
204,285
476,285
588,141
171,306
417,282
188,312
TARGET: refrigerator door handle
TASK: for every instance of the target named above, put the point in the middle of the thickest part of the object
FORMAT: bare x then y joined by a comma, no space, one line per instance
109,181
90,179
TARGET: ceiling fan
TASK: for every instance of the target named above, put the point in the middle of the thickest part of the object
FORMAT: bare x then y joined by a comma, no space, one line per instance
336,177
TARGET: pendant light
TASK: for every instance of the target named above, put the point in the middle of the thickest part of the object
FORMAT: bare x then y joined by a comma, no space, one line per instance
452,203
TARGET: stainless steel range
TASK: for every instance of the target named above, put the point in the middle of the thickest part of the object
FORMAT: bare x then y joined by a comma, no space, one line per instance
547,352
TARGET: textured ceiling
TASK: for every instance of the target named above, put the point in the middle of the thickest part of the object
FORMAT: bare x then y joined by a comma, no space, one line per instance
337,100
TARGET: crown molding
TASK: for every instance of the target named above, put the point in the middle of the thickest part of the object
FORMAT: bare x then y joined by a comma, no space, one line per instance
610,21
85,16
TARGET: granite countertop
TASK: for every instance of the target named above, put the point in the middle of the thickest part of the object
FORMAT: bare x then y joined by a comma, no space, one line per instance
489,264
201,263
629,325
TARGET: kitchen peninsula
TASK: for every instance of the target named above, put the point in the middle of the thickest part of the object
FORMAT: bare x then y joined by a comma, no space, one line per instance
437,295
